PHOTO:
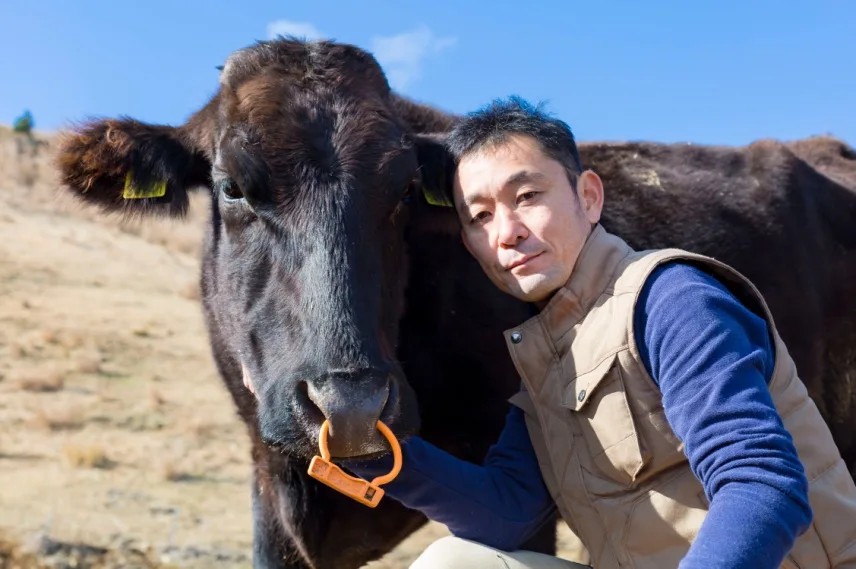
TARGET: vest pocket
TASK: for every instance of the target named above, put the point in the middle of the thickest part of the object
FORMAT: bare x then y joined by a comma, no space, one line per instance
663,522
598,401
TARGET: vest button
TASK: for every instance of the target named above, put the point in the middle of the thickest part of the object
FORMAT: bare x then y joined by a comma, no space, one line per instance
516,337
581,396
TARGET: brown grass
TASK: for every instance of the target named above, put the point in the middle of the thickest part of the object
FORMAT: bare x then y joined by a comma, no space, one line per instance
190,291
156,398
187,241
49,336
71,339
17,351
86,456
171,471
41,381
130,226
89,363
200,430
56,419
12,554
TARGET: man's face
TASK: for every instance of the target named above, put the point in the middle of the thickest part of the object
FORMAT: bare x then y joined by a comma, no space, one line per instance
521,218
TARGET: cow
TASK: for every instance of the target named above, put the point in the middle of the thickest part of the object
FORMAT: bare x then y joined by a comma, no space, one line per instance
335,285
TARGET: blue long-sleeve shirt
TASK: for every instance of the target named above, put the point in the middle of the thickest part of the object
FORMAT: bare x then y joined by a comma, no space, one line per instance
712,359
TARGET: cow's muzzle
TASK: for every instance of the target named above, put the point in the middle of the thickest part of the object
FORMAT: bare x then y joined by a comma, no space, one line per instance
353,402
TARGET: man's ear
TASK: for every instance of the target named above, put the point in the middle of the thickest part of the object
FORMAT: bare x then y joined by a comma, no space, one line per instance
437,168
590,193
132,167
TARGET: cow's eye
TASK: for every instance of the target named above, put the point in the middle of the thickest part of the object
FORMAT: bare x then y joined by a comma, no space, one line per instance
230,190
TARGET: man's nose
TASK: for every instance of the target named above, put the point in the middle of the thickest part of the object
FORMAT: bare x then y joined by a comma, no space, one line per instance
511,230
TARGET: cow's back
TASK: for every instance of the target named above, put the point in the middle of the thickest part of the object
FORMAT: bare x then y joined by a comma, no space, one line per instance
764,210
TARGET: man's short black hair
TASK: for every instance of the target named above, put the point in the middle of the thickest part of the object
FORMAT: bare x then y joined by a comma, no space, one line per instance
494,123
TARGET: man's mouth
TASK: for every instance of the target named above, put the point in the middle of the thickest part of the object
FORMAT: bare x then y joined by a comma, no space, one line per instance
522,261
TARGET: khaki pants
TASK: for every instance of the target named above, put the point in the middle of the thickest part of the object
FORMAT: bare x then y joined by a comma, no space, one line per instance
456,553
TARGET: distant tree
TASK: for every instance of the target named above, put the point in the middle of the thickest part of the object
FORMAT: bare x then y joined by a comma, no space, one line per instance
24,123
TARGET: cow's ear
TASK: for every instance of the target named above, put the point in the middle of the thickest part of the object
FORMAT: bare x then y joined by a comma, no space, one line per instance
437,169
132,167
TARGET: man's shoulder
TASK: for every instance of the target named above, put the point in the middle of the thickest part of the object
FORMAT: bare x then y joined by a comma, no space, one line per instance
678,272
683,284
640,268
687,294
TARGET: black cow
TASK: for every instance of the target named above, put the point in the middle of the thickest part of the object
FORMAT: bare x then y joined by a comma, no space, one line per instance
344,294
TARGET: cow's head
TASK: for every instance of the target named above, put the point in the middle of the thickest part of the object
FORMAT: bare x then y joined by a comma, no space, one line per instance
313,176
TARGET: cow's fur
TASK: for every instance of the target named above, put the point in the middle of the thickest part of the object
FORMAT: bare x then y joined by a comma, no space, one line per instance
770,211
331,279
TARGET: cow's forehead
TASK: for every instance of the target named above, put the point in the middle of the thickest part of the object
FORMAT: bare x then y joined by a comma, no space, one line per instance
310,107
288,117
285,83
289,139
337,65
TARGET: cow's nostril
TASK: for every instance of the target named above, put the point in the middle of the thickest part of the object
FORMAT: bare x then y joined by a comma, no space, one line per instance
352,402
309,407
391,405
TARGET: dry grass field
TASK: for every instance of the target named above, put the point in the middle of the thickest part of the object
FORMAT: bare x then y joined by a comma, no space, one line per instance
119,447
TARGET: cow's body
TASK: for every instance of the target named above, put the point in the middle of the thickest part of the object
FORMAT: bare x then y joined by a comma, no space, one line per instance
783,215
777,219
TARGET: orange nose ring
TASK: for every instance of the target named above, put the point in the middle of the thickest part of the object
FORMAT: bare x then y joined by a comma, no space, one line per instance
363,491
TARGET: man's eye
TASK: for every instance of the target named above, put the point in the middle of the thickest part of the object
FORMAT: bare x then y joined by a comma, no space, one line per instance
480,217
526,196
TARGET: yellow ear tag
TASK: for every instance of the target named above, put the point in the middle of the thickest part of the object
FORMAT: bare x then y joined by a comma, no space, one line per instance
133,192
436,197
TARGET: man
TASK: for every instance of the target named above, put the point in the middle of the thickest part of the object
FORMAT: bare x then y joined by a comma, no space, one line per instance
660,411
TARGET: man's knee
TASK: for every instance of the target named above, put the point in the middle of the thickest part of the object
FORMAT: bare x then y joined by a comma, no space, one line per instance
455,553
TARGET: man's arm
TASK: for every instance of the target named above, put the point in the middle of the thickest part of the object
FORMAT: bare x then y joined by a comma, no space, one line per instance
712,359
500,503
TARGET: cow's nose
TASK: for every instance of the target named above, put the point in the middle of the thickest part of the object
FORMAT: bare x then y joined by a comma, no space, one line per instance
352,403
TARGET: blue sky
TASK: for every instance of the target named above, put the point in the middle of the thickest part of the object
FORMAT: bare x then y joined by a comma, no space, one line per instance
721,72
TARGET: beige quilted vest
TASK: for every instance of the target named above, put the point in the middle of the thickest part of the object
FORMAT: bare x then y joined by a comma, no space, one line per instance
609,457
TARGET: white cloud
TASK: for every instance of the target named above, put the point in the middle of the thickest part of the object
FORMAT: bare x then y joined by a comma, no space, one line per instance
296,29
402,55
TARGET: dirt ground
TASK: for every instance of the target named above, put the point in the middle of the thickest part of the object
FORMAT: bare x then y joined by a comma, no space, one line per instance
119,447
